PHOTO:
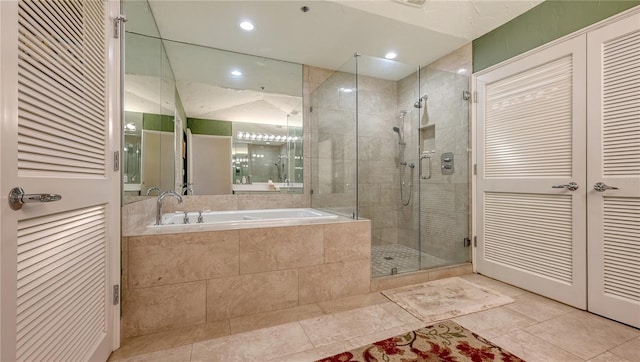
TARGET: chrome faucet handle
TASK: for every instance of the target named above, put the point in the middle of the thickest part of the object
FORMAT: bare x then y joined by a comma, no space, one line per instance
185,220
200,218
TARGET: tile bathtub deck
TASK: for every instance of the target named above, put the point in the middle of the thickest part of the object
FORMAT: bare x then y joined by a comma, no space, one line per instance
533,327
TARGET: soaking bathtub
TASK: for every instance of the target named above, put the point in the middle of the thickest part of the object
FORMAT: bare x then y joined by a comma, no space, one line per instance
240,219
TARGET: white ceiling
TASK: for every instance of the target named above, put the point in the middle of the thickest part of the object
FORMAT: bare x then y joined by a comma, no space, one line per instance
332,31
326,36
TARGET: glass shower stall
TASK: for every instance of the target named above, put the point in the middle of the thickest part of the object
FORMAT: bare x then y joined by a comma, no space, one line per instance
390,143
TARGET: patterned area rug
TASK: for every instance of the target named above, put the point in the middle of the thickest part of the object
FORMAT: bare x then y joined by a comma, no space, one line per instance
445,299
445,341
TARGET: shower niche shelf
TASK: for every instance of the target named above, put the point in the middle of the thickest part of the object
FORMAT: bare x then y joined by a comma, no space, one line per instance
428,137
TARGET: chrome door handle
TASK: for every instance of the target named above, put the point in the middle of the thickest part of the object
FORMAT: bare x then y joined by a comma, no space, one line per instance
571,186
17,198
601,187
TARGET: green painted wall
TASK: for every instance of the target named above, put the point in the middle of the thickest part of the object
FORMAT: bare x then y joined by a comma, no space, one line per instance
548,21
157,122
210,127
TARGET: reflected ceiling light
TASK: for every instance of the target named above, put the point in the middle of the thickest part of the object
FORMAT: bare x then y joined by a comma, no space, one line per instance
247,25
346,90
390,55
236,73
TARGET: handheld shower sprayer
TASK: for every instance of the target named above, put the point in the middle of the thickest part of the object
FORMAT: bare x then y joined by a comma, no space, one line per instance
400,138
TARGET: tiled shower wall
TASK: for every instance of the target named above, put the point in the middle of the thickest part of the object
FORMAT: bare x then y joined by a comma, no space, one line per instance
378,157
443,127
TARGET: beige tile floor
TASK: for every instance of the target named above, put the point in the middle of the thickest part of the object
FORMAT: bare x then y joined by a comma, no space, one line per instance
533,327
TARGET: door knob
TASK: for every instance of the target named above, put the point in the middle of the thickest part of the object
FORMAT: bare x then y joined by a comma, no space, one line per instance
601,187
571,186
17,198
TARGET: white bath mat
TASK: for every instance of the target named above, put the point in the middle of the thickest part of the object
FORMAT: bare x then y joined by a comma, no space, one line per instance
445,299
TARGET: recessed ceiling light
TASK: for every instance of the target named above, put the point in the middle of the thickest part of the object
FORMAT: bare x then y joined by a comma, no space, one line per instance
390,55
462,71
247,25
236,73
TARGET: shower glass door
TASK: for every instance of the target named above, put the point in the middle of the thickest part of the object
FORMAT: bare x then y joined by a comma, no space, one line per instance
390,144
444,144
388,168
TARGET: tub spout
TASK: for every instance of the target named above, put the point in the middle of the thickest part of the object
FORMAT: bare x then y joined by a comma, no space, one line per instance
159,204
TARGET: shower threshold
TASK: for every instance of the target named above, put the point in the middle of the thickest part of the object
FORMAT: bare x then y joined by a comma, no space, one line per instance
396,258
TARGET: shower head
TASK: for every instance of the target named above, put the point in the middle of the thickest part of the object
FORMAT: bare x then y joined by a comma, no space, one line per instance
418,104
400,138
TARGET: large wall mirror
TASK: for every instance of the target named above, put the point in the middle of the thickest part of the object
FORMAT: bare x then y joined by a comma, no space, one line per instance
205,121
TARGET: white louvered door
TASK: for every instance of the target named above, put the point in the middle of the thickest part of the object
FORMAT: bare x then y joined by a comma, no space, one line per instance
531,137
59,260
613,136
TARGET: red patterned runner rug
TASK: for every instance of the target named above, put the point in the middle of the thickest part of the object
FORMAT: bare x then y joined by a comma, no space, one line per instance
445,341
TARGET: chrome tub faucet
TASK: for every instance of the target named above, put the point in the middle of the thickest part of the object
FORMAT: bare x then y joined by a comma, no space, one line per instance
159,204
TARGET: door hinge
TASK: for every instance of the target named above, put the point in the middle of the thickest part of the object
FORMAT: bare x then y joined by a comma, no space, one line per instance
117,24
116,294
475,241
311,109
475,96
475,168
116,161
467,242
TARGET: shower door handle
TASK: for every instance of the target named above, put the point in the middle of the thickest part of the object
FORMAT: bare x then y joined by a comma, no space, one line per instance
428,158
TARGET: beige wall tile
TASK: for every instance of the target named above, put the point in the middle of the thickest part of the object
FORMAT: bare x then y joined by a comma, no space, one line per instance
331,281
269,319
250,294
347,241
271,249
175,258
156,309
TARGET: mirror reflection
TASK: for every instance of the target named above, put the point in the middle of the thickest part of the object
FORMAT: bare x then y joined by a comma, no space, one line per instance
149,137
239,119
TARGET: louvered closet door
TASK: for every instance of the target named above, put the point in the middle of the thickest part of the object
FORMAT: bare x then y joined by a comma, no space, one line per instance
58,258
614,159
531,137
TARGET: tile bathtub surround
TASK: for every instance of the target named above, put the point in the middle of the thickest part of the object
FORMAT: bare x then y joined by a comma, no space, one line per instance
179,280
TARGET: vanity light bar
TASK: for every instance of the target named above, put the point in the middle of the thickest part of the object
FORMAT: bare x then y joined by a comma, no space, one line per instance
264,137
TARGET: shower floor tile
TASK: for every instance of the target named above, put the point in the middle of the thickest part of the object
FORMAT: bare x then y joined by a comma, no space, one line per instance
386,257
